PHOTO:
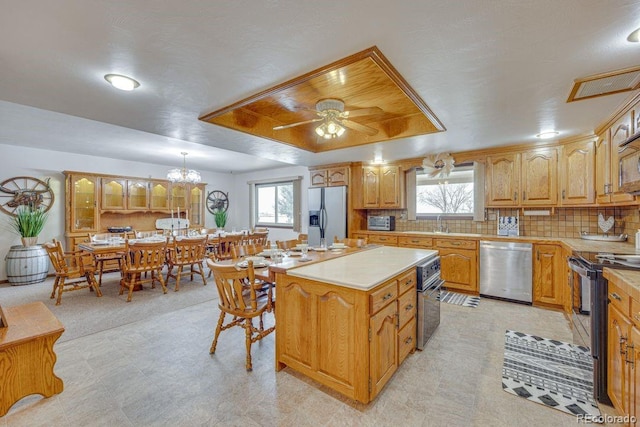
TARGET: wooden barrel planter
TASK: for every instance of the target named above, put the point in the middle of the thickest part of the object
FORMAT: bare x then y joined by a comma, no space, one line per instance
27,265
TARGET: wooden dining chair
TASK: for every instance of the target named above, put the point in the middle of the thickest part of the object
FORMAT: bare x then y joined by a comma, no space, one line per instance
243,302
352,243
113,260
287,244
143,257
223,249
259,236
187,251
74,270
242,251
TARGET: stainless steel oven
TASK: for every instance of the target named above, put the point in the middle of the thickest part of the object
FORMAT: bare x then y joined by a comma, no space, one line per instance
589,317
429,285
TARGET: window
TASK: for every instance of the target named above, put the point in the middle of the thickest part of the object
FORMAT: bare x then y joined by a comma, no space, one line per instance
276,203
451,196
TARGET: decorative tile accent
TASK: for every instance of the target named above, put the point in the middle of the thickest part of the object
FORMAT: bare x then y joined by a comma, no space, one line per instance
550,372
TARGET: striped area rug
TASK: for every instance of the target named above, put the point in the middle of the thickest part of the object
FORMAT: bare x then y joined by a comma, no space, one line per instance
459,299
549,372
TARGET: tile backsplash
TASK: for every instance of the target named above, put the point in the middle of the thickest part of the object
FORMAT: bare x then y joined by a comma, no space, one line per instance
565,222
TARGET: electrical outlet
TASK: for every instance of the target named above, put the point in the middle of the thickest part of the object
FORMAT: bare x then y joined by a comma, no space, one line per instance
492,216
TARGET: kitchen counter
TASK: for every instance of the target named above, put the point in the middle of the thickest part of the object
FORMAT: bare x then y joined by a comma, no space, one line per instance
574,244
363,270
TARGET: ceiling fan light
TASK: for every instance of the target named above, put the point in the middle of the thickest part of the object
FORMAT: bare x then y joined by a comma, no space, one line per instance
340,131
320,131
332,127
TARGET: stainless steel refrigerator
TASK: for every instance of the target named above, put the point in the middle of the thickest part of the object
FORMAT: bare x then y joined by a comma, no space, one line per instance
327,214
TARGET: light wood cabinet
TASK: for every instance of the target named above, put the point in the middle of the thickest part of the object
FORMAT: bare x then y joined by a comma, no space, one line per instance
459,264
196,206
623,351
415,242
382,187
82,199
347,339
502,180
383,239
159,196
539,177
330,176
619,133
577,173
522,179
138,194
548,274
113,193
603,168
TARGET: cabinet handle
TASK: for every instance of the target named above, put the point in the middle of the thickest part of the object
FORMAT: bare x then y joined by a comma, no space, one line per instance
387,296
629,358
563,192
615,296
456,243
524,195
623,346
409,307
408,282
515,195
538,254
409,340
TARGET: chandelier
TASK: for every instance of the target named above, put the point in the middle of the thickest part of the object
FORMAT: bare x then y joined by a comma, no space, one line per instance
184,175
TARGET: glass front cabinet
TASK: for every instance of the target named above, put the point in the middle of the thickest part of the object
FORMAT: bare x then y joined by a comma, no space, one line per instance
82,201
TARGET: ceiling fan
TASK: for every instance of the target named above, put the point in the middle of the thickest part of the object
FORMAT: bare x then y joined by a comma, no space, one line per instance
334,119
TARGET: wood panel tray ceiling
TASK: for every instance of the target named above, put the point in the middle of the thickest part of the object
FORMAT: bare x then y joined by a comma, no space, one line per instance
363,80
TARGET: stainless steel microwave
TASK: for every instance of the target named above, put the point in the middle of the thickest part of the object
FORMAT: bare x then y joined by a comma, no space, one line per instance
629,165
381,223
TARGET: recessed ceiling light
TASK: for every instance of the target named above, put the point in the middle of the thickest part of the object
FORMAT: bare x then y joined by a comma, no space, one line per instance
121,82
547,135
634,37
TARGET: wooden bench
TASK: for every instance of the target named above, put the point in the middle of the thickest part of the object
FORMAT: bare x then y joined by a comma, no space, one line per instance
27,335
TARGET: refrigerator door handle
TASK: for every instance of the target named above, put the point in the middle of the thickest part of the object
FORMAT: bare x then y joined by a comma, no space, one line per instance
323,221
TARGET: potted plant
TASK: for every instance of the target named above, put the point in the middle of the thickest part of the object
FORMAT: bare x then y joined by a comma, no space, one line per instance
28,223
220,218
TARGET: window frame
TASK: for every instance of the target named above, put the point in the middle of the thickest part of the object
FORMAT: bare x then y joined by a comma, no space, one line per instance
448,215
275,185
296,181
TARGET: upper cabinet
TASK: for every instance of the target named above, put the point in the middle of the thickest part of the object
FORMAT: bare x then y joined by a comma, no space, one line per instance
577,173
159,195
82,198
382,187
502,179
603,168
523,179
196,205
619,132
138,194
329,176
113,193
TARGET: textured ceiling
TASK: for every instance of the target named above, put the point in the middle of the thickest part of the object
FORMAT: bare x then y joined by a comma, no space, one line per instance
495,72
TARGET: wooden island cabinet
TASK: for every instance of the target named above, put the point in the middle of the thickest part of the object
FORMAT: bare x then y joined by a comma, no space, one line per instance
349,322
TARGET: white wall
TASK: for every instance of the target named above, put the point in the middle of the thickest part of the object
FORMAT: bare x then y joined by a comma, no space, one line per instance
239,205
43,164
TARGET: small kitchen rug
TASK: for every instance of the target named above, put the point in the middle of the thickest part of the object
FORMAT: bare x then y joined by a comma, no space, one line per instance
459,299
550,372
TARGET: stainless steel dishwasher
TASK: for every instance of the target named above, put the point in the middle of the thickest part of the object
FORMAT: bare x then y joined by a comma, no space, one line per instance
506,270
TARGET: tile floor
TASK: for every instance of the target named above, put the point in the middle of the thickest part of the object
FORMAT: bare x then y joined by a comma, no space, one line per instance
159,372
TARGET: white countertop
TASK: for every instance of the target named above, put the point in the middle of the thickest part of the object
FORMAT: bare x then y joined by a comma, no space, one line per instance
363,270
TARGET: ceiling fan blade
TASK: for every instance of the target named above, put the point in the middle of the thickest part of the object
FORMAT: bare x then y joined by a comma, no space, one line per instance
290,125
362,112
359,127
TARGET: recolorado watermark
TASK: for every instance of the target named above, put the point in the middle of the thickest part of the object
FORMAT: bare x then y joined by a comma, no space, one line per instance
609,419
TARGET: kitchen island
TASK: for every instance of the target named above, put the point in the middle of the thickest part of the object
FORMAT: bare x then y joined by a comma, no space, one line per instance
349,322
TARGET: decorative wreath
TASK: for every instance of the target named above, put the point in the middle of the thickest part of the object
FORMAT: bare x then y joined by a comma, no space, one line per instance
440,164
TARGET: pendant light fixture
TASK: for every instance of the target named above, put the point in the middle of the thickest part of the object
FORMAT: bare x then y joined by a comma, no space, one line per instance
184,175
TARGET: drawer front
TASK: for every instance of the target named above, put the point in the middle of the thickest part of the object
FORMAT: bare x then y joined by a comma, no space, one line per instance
360,236
406,340
383,240
456,244
407,282
407,307
415,242
383,296
635,312
619,299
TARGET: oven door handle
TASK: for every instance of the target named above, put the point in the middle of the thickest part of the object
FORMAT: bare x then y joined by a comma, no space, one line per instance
578,268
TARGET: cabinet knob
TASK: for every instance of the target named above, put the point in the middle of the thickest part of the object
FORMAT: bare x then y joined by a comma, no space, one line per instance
387,296
615,296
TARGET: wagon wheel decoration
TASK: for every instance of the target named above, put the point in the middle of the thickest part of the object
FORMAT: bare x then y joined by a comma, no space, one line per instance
217,201
25,191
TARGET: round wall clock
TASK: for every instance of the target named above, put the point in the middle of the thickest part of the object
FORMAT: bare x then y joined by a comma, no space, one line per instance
217,201
25,191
